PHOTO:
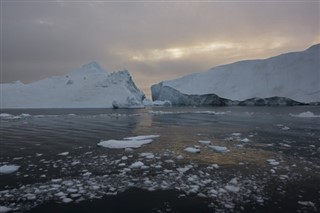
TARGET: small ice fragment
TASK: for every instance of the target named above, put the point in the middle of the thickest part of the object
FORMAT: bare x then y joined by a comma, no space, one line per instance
221,149
285,128
67,200
273,162
4,209
7,169
246,140
136,165
232,188
192,150
306,203
204,142
64,153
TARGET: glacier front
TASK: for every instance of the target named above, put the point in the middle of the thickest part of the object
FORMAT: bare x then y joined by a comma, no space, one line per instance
287,79
87,87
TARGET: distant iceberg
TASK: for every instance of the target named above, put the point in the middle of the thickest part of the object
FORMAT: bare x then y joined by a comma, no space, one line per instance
88,87
287,79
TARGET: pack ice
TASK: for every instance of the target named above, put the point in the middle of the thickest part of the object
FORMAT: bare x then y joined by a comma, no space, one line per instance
88,87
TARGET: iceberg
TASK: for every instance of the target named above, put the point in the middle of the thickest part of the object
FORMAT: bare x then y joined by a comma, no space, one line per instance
287,79
87,87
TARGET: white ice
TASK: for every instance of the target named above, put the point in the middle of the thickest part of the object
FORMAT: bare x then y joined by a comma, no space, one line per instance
306,114
221,149
129,142
7,169
192,150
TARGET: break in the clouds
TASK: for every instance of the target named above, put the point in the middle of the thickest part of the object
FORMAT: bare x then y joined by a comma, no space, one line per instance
154,40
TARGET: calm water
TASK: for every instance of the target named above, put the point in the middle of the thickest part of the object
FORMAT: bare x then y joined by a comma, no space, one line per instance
272,161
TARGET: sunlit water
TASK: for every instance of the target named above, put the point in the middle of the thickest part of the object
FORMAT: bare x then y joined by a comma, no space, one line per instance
271,163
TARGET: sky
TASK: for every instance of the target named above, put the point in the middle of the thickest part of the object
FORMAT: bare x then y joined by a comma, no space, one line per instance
153,40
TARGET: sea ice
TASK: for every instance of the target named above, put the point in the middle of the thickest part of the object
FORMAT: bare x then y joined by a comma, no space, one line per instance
7,169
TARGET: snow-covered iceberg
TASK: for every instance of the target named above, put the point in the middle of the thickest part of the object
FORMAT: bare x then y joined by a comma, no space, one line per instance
287,79
88,87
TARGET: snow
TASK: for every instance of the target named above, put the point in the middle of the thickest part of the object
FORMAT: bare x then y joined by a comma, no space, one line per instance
306,114
192,150
7,169
89,86
129,142
292,75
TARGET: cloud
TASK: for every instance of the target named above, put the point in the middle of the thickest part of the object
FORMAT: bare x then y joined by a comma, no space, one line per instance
155,41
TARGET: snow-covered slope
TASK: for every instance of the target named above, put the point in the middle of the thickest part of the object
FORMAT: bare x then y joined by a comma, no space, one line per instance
293,75
89,86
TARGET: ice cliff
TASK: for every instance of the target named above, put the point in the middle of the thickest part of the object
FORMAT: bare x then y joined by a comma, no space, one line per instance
88,87
287,79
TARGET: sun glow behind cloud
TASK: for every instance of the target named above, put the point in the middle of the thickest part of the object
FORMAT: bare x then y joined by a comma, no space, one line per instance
179,52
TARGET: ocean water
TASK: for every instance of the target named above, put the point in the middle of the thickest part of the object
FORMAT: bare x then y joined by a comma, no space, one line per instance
271,162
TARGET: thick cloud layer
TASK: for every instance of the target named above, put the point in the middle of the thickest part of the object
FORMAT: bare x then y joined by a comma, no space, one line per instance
154,40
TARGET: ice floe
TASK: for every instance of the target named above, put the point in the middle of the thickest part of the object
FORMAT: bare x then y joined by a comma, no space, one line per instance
220,149
129,142
204,142
306,114
7,169
192,150
4,209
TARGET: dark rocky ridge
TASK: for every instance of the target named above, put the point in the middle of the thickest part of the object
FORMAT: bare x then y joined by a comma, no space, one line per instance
162,93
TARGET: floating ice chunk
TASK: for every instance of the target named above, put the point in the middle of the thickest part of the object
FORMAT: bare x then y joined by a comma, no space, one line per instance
273,162
285,128
205,142
183,170
306,203
136,165
179,157
232,188
4,209
221,149
129,142
306,114
192,150
64,153
7,169
67,200
4,115
148,155
246,140
123,144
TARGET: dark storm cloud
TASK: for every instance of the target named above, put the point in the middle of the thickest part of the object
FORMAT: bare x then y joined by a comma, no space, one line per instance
154,40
